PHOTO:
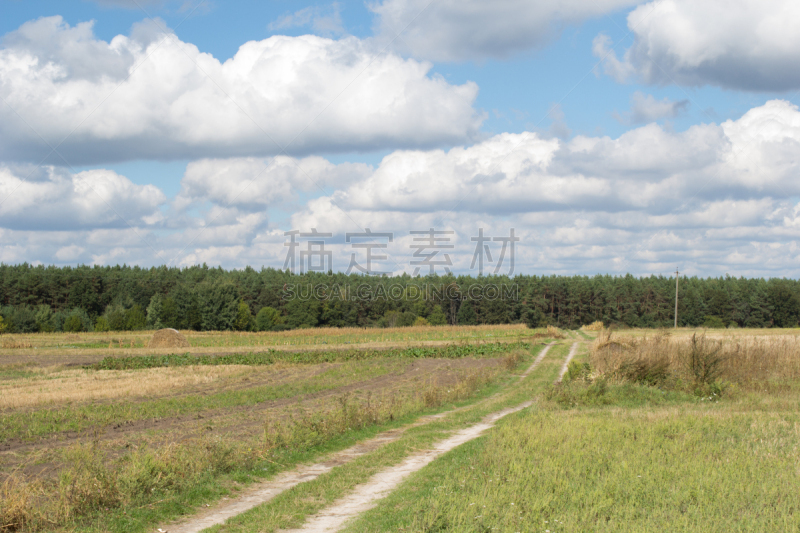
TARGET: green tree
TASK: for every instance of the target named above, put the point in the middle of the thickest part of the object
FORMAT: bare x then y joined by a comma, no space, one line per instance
135,318
3,326
154,312
713,322
407,318
220,307
244,318
437,318
466,314
785,304
302,314
170,315
44,318
267,318
115,316
534,317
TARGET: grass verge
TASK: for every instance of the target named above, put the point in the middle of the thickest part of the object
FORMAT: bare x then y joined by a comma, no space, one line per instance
654,469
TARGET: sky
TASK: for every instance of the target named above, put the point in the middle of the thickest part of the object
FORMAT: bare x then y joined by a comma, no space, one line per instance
549,137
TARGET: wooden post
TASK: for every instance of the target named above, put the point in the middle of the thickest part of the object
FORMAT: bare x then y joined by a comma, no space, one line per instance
677,277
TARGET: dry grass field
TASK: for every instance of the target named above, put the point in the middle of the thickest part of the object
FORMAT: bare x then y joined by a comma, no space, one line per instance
84,427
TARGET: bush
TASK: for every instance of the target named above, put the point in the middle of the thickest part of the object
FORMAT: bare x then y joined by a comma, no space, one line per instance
244,318
534,318
407,318
73,324
578,371
651,371
421,321
704,360
267,319
135,318
466,314
101,324
597,325
713,322
437,317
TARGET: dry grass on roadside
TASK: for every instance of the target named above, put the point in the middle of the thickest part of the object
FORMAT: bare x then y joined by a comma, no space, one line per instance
745,360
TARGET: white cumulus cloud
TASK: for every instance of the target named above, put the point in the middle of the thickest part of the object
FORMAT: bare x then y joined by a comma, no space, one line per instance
152,96
53,199
750,45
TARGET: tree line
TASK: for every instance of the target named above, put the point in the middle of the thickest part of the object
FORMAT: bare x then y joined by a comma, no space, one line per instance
116,298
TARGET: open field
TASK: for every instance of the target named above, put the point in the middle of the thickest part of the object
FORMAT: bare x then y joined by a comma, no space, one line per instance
707,419
127,428
611,452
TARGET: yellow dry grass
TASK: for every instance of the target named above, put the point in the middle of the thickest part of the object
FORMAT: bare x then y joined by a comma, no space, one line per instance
55,385
743,358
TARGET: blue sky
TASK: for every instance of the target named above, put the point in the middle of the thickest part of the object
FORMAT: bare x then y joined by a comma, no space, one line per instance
614,136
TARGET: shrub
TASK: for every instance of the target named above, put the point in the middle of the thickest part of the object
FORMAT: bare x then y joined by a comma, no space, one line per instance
267,318
73,323
101,324
244,318
437,317
713,322
421,321
704,360
534,318
135,318
578,371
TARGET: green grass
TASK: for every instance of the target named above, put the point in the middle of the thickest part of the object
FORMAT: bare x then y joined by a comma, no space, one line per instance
452,351
642,462
291,508
9,372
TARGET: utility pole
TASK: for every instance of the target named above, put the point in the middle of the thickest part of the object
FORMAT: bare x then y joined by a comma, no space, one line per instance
677,277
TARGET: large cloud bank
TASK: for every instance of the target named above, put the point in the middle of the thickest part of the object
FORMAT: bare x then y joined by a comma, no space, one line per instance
593,204
151,96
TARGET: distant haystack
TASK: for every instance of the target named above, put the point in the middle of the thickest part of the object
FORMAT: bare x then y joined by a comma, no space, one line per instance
168,338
